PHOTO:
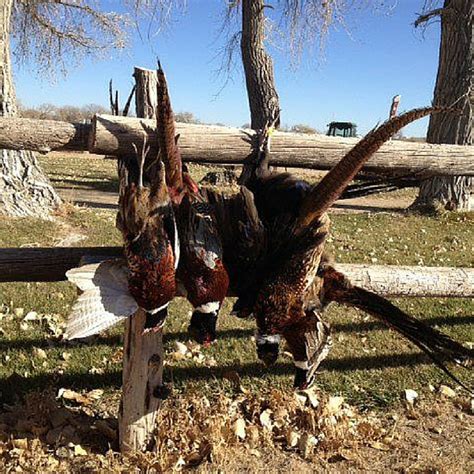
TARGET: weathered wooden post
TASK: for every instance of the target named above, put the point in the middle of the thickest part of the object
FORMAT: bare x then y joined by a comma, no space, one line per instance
143,351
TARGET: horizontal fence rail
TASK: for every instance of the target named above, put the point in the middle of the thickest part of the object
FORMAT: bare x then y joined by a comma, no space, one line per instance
115,135
51,264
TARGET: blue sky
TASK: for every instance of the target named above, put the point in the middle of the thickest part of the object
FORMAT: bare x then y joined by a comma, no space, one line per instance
355,79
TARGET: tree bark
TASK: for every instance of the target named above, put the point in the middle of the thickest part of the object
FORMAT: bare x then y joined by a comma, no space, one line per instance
411,281
225,145
48,264
110,135
42,135
145,94
258,66
454,85
24,189
142,375
141,385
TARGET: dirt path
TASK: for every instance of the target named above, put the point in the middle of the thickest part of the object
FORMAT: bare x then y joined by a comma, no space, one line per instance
390,202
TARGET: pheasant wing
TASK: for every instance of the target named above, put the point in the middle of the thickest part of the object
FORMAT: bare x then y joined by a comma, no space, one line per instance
106,299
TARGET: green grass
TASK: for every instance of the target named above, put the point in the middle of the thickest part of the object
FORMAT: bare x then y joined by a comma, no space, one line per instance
80,171
369,364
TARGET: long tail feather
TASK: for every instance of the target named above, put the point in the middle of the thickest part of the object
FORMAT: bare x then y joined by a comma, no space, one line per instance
330,188
439,347
169,150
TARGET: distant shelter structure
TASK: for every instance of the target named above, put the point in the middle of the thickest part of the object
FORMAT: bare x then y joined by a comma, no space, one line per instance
342,129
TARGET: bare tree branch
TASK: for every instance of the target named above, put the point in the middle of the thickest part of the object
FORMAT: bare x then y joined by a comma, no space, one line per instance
428,16
129,101
51,32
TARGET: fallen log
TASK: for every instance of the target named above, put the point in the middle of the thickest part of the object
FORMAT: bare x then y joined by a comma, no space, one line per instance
112,135
51,264
42,135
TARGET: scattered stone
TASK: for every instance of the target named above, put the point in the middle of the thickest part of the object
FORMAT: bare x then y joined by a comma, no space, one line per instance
292,438
410,396
40,353
334,405
447,391
239,428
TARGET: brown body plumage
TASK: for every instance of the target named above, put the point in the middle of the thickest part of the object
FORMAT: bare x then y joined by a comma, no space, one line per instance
201,270
146,220
289,296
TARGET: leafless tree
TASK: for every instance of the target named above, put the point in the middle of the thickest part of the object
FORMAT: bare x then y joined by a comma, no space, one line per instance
53,34
454,86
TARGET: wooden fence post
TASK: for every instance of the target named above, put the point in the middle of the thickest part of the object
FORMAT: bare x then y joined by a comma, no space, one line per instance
143,352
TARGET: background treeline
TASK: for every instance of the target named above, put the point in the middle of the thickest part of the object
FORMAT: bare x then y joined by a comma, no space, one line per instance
68,113
73,113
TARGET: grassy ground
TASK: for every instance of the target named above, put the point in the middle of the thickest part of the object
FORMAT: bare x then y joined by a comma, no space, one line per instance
369,366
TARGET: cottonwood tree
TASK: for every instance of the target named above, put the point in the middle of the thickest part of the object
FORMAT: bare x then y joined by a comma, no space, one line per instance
301,22
454,86
297,25
48,31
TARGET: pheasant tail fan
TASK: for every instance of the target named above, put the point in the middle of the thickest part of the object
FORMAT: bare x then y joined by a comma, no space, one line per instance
105,300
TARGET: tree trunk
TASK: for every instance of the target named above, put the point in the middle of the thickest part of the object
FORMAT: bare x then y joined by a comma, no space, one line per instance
142,377
145,93
24,189
454,85
258,66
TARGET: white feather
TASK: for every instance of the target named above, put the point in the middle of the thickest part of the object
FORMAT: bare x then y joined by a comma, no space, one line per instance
113,271
105,302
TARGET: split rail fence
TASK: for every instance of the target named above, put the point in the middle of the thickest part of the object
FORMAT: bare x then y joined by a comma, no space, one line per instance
114,135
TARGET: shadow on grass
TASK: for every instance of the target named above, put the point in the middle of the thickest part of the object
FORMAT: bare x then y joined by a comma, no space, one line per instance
374,325
112,340
16,386
341,206
116,340
95,204
104,185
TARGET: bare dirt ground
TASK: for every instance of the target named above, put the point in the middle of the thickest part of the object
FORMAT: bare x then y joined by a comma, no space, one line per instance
89,180
391,202
394,202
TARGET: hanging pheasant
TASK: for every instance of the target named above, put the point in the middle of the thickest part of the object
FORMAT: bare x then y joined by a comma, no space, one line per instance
289,296
115,289
201,270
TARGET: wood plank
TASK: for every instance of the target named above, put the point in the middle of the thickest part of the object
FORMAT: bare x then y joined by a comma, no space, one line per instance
47,264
